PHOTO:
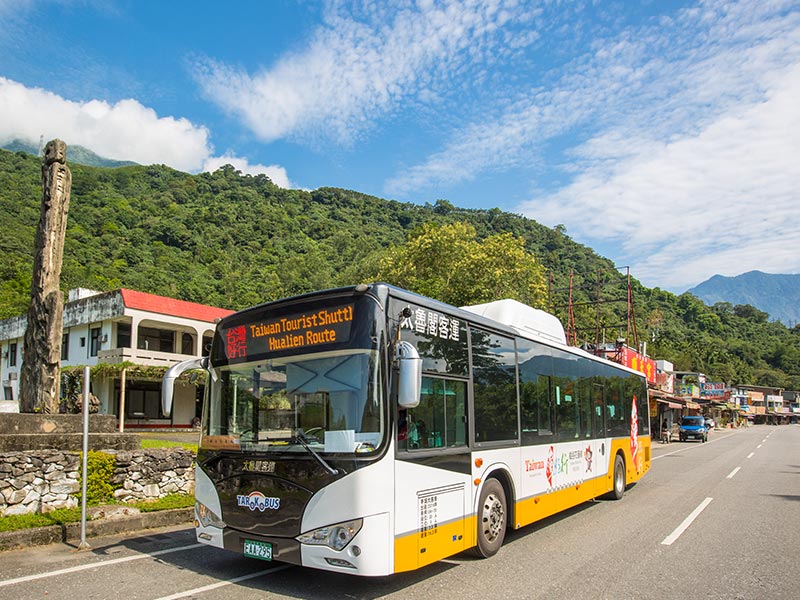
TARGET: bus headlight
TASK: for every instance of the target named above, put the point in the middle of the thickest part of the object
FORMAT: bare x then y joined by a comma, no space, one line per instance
334,536
207,517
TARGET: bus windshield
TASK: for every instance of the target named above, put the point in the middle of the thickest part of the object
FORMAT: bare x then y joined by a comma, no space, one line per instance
329,401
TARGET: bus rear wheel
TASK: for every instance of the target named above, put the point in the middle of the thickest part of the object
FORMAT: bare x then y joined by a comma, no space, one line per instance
619,479
492,519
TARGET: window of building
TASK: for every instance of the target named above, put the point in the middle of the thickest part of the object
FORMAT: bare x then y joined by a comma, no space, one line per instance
143,401
123,335
8,392
94,346
12,355
187,343
158,340
65,346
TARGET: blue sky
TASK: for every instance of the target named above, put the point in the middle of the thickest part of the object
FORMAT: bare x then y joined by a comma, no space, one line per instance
663,134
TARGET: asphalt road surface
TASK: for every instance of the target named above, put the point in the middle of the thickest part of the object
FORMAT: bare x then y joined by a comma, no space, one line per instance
713,520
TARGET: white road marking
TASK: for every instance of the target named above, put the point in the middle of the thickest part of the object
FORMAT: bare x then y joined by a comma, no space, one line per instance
750,455
686,522
219,584
105,563
759,446
734,472
698,445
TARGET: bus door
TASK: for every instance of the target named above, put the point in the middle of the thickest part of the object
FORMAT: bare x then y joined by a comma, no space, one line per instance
432,476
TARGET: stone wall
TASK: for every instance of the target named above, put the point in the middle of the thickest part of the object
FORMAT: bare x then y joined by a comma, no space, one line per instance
45,480
151,474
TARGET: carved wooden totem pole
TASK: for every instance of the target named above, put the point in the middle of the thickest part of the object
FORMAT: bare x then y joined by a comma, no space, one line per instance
41,354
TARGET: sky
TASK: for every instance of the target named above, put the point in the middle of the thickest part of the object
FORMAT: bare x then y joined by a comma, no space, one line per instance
663,134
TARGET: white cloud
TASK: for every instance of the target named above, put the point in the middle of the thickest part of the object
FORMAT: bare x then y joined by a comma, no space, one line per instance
724,200
126,130
361,64
276,173
680,138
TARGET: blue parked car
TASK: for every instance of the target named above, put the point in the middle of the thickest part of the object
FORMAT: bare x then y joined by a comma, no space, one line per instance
693,428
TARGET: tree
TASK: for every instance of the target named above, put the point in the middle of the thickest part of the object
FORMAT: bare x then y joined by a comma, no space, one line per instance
449,263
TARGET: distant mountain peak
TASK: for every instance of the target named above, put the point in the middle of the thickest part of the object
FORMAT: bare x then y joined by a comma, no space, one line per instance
778,295
75,154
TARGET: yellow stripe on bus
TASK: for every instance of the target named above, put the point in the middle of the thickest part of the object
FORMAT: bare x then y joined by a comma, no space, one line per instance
418,549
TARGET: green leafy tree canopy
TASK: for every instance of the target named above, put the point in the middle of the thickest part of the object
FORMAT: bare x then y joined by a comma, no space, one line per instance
450,263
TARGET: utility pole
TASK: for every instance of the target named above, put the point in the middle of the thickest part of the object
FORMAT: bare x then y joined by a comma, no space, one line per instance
41,354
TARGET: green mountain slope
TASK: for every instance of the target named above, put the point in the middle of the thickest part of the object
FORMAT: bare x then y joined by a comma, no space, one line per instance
234,240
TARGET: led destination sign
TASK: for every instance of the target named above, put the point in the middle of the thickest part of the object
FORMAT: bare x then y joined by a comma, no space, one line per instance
324,326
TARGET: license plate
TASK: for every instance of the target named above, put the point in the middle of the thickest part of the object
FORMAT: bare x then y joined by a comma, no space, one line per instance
257,549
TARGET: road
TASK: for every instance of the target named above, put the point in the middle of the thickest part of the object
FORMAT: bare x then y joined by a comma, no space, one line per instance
714,520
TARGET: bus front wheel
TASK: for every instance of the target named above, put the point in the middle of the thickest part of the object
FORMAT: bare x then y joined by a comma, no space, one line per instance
492,519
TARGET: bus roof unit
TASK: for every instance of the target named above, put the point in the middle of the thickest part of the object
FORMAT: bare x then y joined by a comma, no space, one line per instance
523,318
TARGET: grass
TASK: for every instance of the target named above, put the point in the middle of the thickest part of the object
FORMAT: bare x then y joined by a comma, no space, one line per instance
63,516
56,517
166,503
146,443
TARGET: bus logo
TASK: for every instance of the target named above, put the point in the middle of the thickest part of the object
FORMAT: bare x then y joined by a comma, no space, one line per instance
258,501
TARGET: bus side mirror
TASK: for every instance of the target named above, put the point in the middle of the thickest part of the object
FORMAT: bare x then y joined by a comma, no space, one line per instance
168,383
409,375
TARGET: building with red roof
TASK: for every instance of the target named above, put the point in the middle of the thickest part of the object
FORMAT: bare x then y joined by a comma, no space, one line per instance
131,332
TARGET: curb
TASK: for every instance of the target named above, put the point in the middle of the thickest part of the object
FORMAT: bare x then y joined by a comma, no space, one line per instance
71,532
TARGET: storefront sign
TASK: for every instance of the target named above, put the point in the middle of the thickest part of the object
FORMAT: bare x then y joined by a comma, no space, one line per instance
639,362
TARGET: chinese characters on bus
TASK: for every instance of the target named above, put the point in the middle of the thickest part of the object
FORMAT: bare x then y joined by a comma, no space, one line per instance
428,518
433,324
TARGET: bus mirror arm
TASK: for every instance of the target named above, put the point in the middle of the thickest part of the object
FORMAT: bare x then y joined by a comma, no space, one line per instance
409,375
168,383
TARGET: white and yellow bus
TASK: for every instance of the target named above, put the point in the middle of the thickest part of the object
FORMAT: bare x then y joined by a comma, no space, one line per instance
369,430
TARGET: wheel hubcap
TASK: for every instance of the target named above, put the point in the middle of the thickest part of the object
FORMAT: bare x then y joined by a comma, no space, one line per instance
493,518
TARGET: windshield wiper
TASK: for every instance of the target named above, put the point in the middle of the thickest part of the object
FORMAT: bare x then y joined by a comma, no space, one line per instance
301,438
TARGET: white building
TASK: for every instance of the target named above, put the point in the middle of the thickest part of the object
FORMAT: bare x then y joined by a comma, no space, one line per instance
123,327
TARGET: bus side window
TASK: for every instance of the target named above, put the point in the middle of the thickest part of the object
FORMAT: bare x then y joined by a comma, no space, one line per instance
439,421
536,392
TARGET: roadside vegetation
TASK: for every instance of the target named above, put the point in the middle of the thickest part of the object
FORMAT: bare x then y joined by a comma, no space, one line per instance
150,444
64,516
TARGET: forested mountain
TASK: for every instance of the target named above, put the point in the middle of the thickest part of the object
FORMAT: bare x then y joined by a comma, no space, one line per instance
234,240
777,295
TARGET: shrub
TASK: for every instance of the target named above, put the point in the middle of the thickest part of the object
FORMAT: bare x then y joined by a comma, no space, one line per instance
99,486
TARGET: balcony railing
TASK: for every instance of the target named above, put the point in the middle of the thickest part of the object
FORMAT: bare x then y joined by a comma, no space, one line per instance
140,356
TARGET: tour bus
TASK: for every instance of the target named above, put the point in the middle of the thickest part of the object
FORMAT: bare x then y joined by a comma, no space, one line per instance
369,430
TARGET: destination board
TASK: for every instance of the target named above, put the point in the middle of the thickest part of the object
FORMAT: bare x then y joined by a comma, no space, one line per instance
289,332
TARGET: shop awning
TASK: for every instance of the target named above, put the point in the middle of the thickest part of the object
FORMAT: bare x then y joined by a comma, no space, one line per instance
693,405
670,404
